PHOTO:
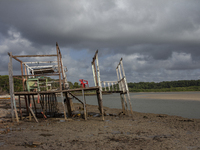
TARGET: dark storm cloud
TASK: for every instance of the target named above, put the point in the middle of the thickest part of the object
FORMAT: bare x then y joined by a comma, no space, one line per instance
153,36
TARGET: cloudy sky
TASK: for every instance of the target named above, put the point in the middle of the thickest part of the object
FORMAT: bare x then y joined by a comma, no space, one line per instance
159,40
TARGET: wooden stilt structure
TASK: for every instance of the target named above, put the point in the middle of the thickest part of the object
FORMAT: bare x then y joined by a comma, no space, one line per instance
36,87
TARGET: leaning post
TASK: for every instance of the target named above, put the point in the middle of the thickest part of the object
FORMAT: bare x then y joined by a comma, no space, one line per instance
126,86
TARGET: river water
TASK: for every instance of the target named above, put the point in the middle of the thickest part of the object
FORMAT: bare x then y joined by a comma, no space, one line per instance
184,108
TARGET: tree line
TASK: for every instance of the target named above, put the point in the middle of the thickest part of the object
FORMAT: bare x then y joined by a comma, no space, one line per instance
181,85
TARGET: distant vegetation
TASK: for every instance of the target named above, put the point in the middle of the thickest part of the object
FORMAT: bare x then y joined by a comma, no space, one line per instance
165,86
4,84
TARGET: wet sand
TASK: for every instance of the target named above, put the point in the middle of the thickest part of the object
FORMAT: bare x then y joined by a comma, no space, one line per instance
171,96
117,131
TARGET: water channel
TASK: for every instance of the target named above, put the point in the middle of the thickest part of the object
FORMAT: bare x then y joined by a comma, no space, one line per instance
140,103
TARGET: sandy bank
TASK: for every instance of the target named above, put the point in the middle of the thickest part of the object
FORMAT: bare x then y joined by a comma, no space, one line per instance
170,96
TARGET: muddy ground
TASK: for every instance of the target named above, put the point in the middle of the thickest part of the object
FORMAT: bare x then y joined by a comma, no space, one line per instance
117,131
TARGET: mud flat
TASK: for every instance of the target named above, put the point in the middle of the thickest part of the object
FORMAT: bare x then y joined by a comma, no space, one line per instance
117,131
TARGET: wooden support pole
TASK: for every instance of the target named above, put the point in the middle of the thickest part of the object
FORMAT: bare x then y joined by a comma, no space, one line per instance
122,101
112,86
25,71
20,107
61,95
95,72
94,76
11,84
84,105
45,101
126,86
69,109
26,104
104,85
120,88
22,76
126,105
29,101
108,86
34,104
58,59
49,104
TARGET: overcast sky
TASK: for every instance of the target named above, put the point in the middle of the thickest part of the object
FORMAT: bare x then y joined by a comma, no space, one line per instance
159,40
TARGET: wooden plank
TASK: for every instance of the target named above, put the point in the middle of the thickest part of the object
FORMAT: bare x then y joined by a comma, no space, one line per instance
18,60
58,91
35,55
40,62
75,97
52,74
46,66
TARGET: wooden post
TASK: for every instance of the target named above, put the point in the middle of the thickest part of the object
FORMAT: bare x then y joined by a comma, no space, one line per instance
26,104
58,60
11,84
22,76
120,88
94,74
61,95
20,108
29,101
84,105
122,101
104,85
112,86
68,101
100,103
34,104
